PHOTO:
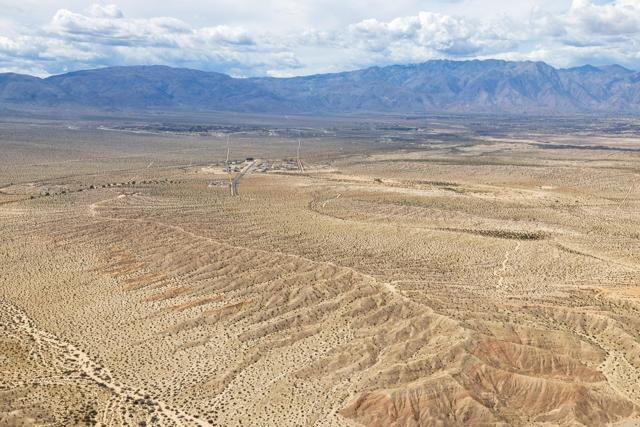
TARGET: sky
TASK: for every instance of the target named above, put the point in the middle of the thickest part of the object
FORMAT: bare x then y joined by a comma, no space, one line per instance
296,37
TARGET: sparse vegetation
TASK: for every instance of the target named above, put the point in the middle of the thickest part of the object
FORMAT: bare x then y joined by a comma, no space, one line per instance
477,279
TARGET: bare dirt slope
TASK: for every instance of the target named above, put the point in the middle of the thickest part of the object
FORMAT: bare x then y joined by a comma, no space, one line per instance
488,283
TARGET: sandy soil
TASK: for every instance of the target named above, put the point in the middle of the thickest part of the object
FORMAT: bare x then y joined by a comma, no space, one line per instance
488,284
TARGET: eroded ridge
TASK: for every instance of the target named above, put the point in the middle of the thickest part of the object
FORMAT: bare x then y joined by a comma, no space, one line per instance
441,277
301,327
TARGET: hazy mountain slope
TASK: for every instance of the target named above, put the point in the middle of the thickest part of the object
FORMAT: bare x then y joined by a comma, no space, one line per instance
435,86
612,87
160,86
22,89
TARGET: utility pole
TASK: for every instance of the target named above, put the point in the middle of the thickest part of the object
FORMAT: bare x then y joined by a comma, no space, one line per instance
232,185
300,166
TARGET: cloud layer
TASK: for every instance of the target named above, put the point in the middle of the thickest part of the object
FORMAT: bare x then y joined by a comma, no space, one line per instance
582,31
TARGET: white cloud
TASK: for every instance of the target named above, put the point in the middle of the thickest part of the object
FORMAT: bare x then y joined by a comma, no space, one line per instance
116,29
617,18
561,32
108,11
225,35
432,34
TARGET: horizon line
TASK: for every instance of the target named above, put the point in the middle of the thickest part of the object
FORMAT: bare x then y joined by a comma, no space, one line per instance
107,67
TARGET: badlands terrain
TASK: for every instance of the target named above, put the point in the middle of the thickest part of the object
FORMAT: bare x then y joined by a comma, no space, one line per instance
438,271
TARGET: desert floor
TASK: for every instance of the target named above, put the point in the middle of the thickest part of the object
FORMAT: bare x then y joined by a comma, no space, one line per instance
412,275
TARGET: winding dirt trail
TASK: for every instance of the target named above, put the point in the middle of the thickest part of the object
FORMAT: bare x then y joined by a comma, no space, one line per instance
505,262
77,360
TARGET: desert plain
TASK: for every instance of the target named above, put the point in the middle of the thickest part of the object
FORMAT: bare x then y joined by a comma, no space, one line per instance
415,271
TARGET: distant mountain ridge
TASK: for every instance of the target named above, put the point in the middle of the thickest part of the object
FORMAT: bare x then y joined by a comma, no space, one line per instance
489,86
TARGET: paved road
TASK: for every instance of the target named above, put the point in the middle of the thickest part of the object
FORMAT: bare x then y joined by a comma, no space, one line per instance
234,183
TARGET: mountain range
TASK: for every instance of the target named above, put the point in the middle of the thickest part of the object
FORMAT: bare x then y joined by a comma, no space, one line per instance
490,86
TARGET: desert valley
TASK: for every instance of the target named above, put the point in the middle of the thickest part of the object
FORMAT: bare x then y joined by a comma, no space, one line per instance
398,271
